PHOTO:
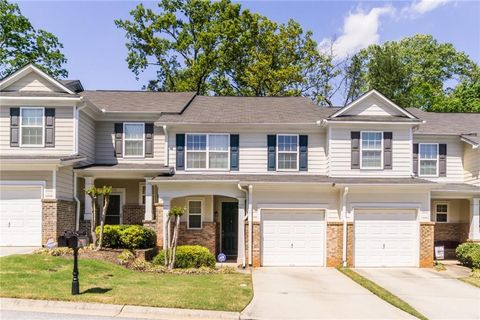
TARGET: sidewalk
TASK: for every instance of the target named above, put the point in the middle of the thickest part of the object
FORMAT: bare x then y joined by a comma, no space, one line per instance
112,310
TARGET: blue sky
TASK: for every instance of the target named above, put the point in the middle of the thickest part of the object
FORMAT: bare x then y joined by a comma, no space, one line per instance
96,51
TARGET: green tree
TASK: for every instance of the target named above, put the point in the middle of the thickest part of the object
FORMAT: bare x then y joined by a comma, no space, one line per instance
416,71
215,47
20,44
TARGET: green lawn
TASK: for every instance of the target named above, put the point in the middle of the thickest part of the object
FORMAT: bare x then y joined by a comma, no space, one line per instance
473,280
382,293
44,277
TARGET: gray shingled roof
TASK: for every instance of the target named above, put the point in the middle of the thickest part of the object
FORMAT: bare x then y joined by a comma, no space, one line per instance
204,109
127,166
139,101
457,187
447,123
288,178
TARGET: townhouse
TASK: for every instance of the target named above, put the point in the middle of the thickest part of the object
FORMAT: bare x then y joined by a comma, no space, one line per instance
269,181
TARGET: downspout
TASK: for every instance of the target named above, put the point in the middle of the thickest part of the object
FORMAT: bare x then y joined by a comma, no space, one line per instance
344,219
77,126
77,209
242,227
165,133
250,226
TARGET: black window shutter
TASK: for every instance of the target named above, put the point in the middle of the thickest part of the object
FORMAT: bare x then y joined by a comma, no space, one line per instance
303,157
234,152
14,127
180,146
272,146
49,127
387,150
415,159
149,140
442,157
118,140
355,138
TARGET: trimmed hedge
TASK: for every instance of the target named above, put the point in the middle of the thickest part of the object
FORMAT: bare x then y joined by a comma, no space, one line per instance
469,254
127,237
188,257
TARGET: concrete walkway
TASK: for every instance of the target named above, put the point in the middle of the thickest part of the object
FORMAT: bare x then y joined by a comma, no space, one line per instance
8,251
314,293
435,294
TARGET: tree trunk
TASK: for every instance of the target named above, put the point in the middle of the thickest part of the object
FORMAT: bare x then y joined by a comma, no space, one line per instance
175,238
93,221
106,201
166,245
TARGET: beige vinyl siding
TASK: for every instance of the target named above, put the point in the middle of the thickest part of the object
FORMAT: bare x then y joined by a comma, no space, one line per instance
372,106
253,150
29,176
455,172
207,210
471,161
65,183
86,142
32,82
105,144
340,152
131,186
64,135
458,210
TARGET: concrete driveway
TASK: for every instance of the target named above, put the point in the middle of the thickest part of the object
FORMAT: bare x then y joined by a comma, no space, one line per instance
313,293
436,295
8,251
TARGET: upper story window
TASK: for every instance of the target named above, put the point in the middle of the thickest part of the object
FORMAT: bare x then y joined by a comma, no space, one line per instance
287,152
32,126
428,159
371,150
441,212
208,151
134,139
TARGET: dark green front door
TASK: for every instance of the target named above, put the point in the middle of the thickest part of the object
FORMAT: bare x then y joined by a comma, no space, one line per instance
229,228
113,210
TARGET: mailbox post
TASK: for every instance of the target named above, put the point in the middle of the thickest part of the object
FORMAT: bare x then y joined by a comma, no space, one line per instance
75,241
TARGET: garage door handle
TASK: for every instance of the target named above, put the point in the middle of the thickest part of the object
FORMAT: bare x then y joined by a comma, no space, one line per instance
384,246
291,245
9,224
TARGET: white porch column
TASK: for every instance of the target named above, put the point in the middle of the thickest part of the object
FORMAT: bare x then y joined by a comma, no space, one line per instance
148,200
241,231
54,183
87,215
250,224
166,230
474,233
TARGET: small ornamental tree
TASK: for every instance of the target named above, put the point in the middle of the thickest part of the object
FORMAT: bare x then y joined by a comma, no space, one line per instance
94,192
175,213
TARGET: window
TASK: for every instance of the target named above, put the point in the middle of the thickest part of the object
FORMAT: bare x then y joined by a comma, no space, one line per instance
32,126
371,150
195,214
287,152
134,143
141,194
428,159
441,212
207,151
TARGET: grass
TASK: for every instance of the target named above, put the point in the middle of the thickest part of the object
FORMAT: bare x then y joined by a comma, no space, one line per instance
473,278
382,293
45,277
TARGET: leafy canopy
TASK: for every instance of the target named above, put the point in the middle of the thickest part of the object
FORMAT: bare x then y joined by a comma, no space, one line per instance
20,44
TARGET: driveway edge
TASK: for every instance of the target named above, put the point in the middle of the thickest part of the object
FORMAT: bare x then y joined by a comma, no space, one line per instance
112,310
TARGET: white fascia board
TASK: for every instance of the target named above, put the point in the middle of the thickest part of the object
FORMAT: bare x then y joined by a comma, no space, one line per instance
35,100
31,68
372,122
473,144
368,94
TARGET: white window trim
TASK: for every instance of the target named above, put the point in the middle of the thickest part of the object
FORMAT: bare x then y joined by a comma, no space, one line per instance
381,151
143,138
140,192
21,128
297,152
447,213
195,214
420,160
207,151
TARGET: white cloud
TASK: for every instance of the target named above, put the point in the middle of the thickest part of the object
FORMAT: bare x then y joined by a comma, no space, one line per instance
423,6
360,29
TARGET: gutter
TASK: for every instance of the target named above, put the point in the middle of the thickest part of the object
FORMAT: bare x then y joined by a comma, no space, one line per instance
165,133
242,228
77,214
77,125
344,219
250,225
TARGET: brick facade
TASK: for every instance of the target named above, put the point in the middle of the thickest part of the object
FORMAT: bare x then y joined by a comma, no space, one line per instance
334,243
159,223
204,237
427,231
350,243
57,217
457,232
133,213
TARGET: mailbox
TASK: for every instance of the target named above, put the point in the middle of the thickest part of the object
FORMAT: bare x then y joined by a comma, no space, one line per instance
74,240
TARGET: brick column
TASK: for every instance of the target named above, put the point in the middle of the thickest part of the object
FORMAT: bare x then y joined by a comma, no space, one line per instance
350,240
427,231
159,223
57,217
334,243
256,251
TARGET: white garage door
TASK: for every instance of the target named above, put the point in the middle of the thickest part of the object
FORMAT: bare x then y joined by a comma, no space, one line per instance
386,238
293,238
20,216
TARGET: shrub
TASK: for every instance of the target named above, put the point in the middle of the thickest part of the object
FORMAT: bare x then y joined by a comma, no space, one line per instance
188,257
55,252
125,257
469,254
127,236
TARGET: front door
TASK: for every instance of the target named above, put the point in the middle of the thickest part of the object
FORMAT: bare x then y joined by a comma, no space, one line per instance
114,210
229,228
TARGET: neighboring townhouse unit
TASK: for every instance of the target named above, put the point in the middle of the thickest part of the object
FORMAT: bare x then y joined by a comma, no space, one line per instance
269,181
